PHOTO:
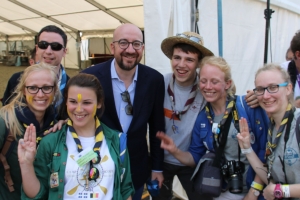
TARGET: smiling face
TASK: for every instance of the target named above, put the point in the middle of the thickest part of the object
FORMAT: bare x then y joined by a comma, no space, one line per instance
213,85
39,102
48,55
128,58
184,66
273,103
82,106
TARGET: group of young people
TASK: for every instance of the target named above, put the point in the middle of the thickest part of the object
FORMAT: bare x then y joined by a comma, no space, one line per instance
103,113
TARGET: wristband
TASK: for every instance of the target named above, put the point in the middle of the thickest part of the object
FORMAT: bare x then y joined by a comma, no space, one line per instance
257,186
246,151
286,191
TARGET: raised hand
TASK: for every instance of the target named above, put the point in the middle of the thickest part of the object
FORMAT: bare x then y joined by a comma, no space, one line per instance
167,143
244,135
27,146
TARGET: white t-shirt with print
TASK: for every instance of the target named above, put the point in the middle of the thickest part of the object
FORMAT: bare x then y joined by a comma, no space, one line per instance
75,176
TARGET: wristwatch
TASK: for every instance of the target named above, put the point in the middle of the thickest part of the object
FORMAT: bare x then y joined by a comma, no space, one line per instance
277,192
256,192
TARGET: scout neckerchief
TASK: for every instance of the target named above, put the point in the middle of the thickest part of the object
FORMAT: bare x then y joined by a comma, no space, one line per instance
228,110
26,117
271,145
223,129
93,173
187,104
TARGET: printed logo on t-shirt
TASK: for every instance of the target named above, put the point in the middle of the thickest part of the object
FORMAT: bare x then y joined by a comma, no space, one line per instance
291,156
195,107
84,188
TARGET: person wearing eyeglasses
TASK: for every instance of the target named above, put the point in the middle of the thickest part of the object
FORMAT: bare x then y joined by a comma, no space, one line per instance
280,173
85,159
32,104
134,95
50,48
182,103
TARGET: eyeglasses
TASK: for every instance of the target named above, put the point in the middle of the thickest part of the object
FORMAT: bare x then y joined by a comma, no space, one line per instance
271,89
193,38
124,44
55,46
35,89
126,98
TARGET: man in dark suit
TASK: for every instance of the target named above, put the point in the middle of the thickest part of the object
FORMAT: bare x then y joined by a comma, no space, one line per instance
134,96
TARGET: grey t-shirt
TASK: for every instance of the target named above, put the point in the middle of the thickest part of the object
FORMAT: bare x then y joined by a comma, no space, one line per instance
290,157
183,133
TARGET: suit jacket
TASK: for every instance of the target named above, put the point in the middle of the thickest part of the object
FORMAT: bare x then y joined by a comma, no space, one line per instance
147,109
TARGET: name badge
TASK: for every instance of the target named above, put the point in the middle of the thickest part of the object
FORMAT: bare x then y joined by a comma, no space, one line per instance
215,129
85,156
54,180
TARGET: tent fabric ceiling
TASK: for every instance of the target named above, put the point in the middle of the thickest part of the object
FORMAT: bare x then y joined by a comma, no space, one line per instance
23,17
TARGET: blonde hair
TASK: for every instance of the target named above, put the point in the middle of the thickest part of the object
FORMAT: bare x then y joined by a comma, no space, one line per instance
8,111
224,67
284,74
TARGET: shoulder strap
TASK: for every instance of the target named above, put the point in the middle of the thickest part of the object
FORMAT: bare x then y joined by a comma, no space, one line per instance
8,142
298,130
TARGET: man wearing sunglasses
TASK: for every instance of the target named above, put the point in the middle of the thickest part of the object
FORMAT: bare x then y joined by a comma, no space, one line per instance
134,95
50,48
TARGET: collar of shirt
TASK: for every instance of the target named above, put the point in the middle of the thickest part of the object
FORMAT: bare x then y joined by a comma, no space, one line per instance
119,87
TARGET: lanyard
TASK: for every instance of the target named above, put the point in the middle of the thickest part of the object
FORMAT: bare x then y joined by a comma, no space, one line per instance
272,144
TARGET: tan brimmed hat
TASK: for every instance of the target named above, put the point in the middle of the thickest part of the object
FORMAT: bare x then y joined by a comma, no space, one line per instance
190,38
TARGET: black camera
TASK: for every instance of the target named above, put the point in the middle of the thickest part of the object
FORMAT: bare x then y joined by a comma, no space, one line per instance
233,172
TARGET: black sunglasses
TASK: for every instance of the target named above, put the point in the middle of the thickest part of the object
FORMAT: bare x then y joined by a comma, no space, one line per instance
94,172
126,98
55,46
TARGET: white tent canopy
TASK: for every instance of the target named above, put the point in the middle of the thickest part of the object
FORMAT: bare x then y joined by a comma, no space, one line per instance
243,32
23,19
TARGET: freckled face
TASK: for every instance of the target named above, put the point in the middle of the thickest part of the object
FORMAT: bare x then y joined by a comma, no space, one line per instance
38,103
212,84
82,106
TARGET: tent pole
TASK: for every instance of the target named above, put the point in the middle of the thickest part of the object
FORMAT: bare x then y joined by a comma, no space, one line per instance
7,43
268,12
220,28
78,42
193,15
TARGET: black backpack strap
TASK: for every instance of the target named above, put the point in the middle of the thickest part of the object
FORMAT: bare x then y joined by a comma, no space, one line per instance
298,130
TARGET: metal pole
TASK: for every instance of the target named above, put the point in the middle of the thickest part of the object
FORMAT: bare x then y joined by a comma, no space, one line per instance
268,12
7,45
193,15
78,42
220,28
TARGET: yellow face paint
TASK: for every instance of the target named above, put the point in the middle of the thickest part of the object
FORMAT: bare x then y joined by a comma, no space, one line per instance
95,110
79,98
51,97
29,99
